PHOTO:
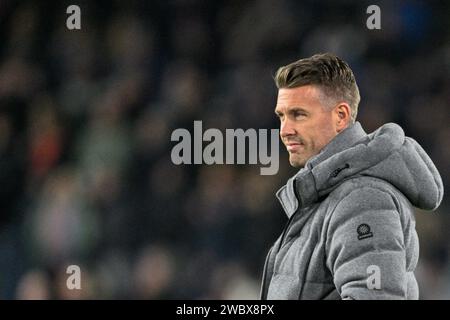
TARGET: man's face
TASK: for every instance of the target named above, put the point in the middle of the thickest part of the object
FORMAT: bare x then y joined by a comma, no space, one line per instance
306,124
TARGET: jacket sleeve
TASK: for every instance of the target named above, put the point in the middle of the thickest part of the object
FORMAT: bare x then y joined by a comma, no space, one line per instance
365,247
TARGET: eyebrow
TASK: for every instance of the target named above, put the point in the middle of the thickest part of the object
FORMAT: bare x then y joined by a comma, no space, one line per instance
291,110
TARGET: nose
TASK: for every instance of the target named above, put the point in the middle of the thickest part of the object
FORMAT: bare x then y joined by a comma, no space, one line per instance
286,128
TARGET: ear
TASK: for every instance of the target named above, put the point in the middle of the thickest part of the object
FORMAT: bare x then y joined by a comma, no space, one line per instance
342,117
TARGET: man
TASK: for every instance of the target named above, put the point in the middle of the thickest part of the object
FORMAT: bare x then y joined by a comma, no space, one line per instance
351,230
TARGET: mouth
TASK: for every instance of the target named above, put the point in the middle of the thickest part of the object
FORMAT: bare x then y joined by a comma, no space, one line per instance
293,146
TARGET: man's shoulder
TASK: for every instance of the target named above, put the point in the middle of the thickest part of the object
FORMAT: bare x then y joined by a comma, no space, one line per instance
366,188
362,200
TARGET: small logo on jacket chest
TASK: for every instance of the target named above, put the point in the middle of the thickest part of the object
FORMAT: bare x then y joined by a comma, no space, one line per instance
335,173
363,231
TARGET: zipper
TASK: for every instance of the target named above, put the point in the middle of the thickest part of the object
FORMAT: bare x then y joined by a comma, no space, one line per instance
286,228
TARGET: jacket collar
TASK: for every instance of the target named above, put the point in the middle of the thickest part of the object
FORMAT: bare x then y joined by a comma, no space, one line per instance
301,190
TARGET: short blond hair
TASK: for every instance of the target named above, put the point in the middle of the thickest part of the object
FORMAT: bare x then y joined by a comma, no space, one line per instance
332,74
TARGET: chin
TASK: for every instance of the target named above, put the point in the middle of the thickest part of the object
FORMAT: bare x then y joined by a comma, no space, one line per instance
296,163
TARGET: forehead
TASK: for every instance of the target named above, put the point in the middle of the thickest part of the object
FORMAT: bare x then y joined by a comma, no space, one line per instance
304,96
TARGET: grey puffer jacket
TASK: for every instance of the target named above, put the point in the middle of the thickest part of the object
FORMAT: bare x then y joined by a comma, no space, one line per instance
351,230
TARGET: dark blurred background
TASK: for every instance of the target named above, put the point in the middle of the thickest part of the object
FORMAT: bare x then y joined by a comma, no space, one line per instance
86,117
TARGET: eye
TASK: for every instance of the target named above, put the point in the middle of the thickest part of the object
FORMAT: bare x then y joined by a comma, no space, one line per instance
299,114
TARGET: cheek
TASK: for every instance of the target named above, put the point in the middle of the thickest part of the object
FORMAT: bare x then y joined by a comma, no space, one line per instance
322,134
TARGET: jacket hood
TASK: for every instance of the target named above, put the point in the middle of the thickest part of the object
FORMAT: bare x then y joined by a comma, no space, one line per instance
385,154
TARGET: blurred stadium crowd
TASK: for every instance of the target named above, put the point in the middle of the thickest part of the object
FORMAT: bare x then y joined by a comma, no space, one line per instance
86,117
